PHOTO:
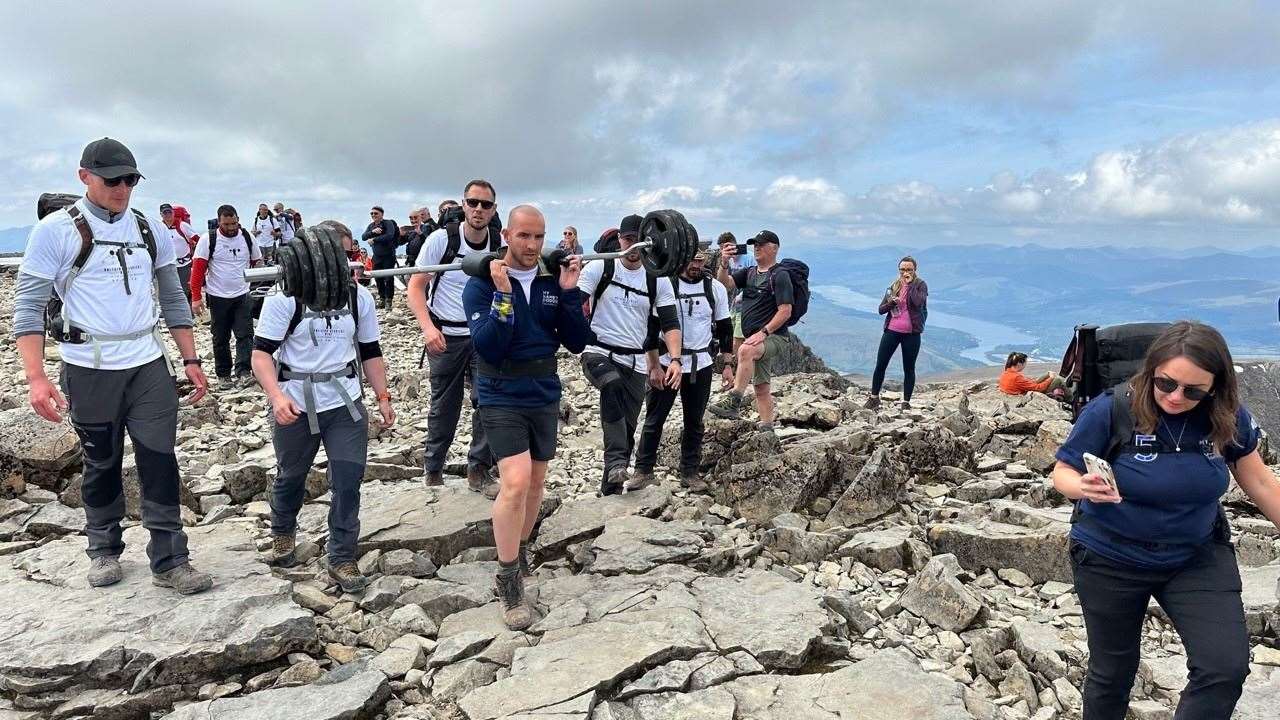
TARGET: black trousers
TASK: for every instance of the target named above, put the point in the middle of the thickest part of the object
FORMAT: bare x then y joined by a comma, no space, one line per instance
1203,601
694,392
889,342
386,286
621,397
231,316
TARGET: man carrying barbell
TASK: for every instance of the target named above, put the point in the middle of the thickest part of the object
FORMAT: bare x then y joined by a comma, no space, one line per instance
519,316
444,326
629,309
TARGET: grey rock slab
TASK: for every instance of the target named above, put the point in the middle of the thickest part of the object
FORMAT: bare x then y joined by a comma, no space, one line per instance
584,518
579,708
455,681
1260,592
723,668
439,522
776,621
1041,648
881,549
458,647
1041,554
486,619
441,599
634,544
710,704
54,519
348,692
801,546
569,662
480,573
889,685
1259,701
407,563
36,448
249,616
873,492
404,654
671,677
938,595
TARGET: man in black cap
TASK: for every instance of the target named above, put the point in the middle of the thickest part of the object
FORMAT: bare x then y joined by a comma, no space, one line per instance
101,260
383,236
629,309
767,297
184,240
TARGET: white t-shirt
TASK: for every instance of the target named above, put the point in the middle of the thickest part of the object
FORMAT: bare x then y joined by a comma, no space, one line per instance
621,317
447,303
181,250
524,280
697,319
332,350
97,301
262,228
286,228
225,276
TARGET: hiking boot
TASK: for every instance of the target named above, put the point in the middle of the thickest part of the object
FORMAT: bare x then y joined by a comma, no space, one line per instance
382,302
183,578
348,577
227,383
693,481
905,405
639,480
525,570
282,551
246,380
510,589
480,479
105,570
728,408
435,478
615,481
872,403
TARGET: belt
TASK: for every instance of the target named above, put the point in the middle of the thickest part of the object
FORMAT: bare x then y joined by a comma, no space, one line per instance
512,369
98,338
309,381
440,322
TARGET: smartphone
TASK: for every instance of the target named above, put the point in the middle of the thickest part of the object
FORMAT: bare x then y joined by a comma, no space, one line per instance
1101,468
741,249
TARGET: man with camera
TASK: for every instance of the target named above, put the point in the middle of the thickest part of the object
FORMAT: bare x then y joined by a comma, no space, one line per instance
102,259
630,309
445,330
383,236
218,270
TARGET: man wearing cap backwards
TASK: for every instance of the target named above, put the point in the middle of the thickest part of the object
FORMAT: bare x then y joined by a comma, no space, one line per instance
519,316
184,241
115,369
766,306
628,311
705,325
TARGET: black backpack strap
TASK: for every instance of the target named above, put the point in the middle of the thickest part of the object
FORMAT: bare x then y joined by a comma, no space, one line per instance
451,249
296,320
651,281
86,238
148,237
1121,423
248,241
606,278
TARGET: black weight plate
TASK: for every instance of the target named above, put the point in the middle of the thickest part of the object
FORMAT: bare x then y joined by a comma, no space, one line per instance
331,248
306,274
287,261
320,271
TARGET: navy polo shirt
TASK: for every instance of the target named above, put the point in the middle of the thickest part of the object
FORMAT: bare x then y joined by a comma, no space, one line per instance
1170,500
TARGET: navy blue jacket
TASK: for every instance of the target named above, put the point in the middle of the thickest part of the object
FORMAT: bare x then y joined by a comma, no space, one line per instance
383,244
537,330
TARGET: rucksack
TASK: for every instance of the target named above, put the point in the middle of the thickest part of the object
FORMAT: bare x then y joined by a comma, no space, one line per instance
57,326
1101,358
608,242
650,291
213,241
799,273
450,254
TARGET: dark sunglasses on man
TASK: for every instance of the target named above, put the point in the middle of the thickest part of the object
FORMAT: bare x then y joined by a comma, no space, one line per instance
478,203
1169,385
130,180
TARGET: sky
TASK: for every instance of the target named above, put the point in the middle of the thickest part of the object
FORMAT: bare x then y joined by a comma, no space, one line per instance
864,123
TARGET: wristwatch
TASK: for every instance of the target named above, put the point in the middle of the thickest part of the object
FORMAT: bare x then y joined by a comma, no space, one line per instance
191,361
765,330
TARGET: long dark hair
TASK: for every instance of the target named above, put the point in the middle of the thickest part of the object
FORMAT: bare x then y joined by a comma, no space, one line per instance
1014,358
1205,347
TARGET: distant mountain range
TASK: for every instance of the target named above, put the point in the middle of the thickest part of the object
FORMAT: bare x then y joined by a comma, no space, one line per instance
14,239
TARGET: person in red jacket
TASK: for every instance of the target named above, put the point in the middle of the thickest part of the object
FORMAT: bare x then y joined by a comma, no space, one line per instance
1013,382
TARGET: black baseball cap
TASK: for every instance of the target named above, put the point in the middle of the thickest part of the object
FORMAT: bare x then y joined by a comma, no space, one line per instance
109,159
764,237
166,207
630,224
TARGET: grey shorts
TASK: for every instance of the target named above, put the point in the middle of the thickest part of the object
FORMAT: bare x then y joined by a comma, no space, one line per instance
513,430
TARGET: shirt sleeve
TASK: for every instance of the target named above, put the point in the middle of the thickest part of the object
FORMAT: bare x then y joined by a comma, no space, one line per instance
1247,436
1091,433
590,277
277,311
666,294
46,252
783,294
433,250
368,330
202,248
165,254
721,297
189,231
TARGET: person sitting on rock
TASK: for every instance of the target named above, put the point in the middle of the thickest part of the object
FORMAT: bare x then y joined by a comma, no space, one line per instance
628,309
1013,382
1174,436
519,317
115,369
309,365
706,326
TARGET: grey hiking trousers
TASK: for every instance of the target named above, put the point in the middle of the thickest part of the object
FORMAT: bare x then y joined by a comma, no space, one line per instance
451,370
144,402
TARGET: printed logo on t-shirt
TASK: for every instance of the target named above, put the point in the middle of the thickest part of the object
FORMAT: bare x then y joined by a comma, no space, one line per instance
1144,441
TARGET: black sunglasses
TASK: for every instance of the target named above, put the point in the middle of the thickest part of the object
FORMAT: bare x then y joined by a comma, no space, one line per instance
130,180
1190,392
478,203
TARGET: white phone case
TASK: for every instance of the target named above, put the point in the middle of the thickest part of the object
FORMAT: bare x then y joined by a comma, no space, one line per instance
1100,467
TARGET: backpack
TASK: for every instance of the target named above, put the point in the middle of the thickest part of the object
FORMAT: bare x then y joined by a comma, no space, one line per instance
57,326
799,273
1101,358
608,242
213,241
450,254
650,291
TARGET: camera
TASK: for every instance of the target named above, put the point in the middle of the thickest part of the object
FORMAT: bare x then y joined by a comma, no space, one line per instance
453,213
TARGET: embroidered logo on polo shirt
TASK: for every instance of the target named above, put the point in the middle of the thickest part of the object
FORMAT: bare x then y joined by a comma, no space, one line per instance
549,299
1145,441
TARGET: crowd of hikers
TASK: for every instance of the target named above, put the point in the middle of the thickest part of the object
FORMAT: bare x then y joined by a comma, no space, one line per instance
1146,464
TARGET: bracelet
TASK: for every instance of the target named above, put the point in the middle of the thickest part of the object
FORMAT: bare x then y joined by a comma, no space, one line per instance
384,396
191,361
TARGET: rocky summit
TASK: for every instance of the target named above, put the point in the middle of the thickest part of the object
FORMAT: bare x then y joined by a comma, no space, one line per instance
877,565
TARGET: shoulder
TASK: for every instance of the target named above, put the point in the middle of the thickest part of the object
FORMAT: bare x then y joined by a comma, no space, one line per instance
1246,425
277,312
1098,412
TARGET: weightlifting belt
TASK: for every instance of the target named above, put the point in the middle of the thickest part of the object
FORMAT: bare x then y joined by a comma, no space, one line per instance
512,369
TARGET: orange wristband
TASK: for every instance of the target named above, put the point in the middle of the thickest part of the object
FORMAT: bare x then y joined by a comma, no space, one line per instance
384,396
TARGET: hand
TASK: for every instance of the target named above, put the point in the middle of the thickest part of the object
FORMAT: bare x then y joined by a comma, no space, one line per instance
570,272
196,375
1095,489
756,339
197,307
377,230
655,376
675,372
727,253
387,412
286,411
46,400
502,281
435,340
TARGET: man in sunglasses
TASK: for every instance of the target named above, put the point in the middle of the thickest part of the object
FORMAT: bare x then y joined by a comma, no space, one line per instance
383,236
102,260
450,355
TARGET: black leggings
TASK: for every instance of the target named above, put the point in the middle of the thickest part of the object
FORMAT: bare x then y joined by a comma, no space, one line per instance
889,342
386,285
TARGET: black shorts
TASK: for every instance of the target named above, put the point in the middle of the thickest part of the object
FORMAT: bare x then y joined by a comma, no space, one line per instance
513,430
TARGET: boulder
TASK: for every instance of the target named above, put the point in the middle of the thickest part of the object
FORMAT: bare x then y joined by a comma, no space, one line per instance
939,596
245,480
872,492
142,635
928,449
710,704
801,546
761,479
777,621
40,451
635,544
881,549
439,522
348,692
1039,454
1041,554
585,518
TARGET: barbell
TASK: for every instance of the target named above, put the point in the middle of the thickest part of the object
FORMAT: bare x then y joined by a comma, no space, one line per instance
314,268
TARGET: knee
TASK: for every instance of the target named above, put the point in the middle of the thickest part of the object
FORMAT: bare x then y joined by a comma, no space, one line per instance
517,485
1225,668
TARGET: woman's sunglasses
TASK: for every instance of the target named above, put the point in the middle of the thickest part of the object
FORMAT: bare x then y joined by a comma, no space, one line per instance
478,203
130,180
1190,392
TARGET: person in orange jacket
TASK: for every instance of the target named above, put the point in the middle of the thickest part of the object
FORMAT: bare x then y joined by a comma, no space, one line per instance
1013,382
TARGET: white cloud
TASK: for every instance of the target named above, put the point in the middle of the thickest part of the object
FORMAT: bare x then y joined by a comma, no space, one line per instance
793,197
